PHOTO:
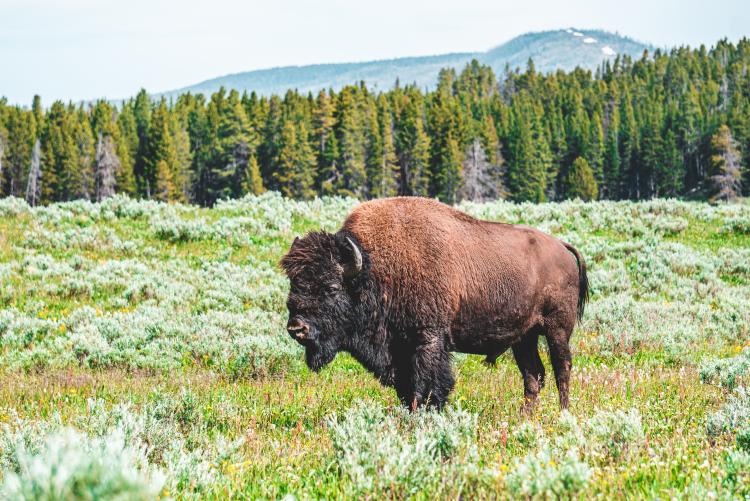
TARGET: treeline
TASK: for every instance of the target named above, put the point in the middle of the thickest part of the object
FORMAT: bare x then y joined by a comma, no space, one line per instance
668,124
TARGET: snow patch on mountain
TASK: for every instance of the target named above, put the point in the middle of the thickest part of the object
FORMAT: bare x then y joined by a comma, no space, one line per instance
589,40
608,51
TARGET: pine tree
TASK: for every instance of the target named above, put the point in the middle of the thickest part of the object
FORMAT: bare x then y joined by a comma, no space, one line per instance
164,183
610,187
183,157
449,172
252,182
670,171
373,149
126,139
445,129
202,122
596,147
81,177
323,135
352,179
20,140
268,150
61,179
143,165
418,162
232,148
558,142
161,160
37,116
688,125
628,141
384,173
296,162
612,163
493,150
413,149
581,182
530,157
328,171
33,187
651,151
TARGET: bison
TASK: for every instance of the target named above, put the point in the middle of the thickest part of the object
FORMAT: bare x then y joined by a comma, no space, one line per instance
408,280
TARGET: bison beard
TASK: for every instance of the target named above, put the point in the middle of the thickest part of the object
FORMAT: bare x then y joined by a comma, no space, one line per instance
408,280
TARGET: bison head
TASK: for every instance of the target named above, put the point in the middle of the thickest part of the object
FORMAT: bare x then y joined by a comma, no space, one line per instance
320,268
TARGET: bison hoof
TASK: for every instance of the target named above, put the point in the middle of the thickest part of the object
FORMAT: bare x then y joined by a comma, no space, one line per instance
528,407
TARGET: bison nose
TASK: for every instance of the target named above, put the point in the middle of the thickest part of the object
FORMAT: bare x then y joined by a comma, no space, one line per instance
297,329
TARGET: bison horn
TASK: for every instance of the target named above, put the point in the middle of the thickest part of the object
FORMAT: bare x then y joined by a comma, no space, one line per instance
352,268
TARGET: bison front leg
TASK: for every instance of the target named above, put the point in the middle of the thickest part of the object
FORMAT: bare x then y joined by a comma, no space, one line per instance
430,375
530,364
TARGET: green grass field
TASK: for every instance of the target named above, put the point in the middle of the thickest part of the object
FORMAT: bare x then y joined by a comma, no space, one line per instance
143,355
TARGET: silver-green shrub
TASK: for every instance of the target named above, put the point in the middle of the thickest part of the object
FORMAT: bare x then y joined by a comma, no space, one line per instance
400,453
733,416
70,465
727,372
545,474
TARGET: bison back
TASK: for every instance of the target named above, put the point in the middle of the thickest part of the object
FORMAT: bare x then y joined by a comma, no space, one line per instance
439,266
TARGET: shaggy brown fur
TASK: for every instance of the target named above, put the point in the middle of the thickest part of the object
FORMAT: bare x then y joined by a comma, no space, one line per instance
436,280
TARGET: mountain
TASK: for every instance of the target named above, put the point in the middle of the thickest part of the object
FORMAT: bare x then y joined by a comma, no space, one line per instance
550,50
562,49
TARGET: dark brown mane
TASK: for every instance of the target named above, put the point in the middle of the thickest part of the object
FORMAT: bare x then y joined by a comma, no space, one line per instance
307,251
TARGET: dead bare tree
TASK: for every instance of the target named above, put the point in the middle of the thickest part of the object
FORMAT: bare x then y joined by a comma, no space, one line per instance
482,179
726,182
34,184
107,164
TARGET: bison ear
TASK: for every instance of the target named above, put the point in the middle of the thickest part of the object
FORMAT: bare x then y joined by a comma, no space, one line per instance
352,258
296,239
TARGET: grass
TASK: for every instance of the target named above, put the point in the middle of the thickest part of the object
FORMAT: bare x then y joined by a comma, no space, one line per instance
283,419
203,337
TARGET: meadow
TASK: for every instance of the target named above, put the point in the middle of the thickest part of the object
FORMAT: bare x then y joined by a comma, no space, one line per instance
143,355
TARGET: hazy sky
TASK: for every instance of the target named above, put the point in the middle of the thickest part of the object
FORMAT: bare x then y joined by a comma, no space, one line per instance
83,49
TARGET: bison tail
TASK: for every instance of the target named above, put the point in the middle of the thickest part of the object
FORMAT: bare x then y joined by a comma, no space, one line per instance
583,281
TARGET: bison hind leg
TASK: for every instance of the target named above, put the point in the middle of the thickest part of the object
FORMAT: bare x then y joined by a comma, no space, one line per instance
558,340
526,353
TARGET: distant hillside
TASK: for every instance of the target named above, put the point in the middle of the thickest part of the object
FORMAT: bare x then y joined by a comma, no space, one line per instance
550,50
562,49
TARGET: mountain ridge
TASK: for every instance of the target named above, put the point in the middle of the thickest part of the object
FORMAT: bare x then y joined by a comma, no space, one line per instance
550,50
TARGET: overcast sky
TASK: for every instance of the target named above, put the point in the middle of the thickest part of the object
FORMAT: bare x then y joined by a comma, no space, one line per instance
83,49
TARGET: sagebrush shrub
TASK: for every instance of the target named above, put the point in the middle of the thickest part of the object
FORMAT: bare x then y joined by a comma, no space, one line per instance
69,465
733,416
545,474
727,372
401,453
614,433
